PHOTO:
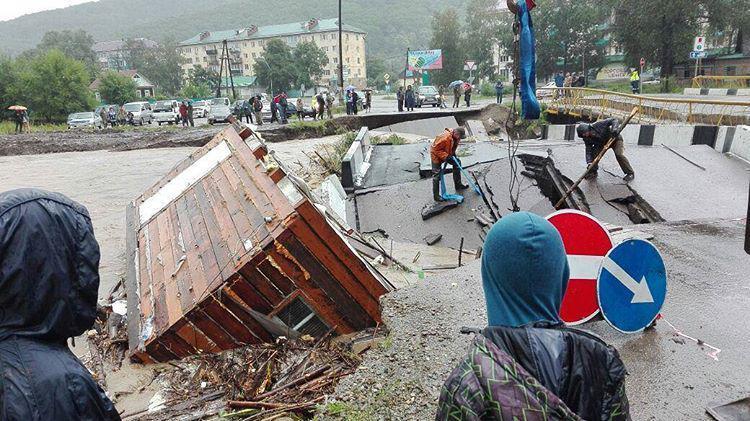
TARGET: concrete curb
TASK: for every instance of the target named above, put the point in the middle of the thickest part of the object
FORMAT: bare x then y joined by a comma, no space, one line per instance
717,91
724,139
355,163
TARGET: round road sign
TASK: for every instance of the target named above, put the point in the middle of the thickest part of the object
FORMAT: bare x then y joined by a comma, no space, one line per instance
632,285
586,242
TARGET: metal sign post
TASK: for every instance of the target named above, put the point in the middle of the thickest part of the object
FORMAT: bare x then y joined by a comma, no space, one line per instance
640,76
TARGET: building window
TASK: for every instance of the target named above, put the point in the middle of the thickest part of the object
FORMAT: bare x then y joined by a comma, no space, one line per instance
327,73
247,67
347,60
205,59
252,44
244,44
245,55
254,55
335,59
358,60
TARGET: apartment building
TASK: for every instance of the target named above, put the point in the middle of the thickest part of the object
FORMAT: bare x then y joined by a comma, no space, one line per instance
246,46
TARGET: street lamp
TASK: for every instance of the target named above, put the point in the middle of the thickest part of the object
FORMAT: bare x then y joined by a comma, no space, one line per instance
270,77
341,61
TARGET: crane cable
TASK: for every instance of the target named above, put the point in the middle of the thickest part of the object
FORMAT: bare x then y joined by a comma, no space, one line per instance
514,185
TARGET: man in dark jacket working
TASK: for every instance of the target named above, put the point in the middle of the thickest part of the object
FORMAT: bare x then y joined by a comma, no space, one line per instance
596,135
49,278
526,364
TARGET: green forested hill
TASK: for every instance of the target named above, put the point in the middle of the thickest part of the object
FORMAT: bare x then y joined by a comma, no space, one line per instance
392,25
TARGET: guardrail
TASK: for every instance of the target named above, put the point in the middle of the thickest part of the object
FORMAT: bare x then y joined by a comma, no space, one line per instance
729,82
599,103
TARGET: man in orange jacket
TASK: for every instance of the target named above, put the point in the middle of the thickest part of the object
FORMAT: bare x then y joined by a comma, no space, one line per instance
442,149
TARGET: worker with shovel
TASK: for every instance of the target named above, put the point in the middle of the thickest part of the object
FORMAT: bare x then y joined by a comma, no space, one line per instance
443,148
596,136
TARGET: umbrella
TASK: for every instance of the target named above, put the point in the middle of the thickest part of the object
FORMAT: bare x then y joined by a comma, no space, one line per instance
456,82
17,108
351,88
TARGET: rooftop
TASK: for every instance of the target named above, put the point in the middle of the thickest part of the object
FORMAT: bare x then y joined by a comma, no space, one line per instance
107,46
257,32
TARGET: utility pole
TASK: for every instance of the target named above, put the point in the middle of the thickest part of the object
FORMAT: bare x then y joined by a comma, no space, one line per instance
225,57
341,60
406,69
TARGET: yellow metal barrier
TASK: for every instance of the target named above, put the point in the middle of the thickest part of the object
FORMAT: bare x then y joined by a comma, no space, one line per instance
729,82
599,103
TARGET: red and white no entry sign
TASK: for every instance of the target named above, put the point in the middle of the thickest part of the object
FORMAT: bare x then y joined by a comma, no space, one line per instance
586,243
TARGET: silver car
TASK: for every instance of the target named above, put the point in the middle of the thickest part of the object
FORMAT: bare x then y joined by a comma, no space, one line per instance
200,109
141,112
427,95
219,113
87,119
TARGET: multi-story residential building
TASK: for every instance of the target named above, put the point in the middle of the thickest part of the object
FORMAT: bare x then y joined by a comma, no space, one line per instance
246,46
503,62
114,55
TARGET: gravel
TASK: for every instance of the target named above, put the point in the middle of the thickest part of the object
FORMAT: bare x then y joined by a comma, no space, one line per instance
402,377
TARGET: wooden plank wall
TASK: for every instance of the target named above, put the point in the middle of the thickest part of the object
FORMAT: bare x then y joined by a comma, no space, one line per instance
233,244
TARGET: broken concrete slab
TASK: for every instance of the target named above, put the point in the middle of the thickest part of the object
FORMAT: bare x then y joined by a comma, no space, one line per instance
433,239
470,155
436,208
228,250
394,164
477,131
430,127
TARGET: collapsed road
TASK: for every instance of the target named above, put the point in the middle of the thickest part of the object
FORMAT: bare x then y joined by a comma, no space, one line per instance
401,376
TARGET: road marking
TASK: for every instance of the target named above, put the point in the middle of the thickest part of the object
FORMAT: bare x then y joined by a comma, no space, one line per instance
640,290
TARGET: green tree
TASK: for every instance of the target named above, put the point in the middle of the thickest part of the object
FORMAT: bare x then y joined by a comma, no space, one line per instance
196,90
76,44
162,65
202,76
310,60
116,88
276,66
569,32
8,84
55,85
446,36
375,70
484,24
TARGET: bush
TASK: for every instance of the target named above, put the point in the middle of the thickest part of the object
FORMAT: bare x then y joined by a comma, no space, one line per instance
393,139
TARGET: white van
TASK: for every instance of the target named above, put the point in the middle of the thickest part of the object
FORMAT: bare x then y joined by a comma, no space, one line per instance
167,111
141,112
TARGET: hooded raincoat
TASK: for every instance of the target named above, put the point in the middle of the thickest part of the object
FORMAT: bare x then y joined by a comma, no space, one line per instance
526,364
49,278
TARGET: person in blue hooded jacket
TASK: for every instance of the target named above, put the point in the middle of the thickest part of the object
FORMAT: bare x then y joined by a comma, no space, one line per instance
526,363
49,278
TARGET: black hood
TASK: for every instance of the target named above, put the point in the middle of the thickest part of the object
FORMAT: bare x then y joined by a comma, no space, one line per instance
49,270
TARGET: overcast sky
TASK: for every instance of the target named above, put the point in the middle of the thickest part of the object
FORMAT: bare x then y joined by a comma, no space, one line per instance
14,8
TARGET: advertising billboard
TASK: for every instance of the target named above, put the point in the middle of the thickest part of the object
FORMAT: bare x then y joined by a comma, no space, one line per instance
425,59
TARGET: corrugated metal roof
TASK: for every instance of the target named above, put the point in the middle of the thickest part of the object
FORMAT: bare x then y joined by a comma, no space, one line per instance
296,28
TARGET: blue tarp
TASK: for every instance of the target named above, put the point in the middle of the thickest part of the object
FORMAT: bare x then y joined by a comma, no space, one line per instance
530,109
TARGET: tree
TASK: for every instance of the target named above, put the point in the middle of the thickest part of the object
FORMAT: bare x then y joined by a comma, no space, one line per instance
276,66
569,31
446,36
115,88
375,70
162,65
196,90
77,45
8,84
55,86
310,60
202,76
484,24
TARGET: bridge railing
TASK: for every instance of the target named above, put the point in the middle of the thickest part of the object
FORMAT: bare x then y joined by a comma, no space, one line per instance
729,82
599,103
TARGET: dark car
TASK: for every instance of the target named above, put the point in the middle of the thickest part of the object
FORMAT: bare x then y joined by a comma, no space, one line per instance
427,95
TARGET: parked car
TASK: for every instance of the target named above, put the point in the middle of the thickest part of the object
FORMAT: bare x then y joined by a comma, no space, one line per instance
220,101
200,109
219,113
87,119
427,95
547,92
167,111
140,111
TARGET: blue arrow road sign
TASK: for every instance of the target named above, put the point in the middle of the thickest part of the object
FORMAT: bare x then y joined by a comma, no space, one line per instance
632,285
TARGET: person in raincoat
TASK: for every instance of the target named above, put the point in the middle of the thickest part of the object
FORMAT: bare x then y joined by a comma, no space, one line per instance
526,364
442,151
410,98
49,279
